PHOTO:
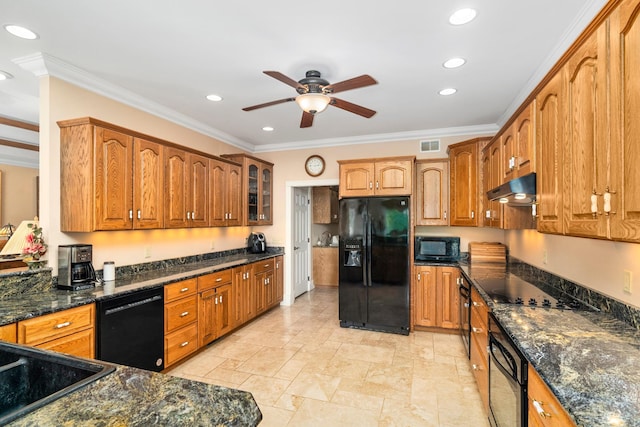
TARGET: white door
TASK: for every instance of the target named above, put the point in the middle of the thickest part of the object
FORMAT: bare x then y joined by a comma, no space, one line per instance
301,241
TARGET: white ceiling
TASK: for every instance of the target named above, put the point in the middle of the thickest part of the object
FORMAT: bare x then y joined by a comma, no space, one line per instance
165,56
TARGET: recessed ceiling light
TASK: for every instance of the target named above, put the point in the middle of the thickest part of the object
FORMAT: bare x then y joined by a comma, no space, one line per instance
267,129
214,97
22,32
462,16
454,63
448,91
5,76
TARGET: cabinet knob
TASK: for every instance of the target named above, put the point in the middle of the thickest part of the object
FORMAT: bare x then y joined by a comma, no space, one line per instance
130,213
540,410
476,330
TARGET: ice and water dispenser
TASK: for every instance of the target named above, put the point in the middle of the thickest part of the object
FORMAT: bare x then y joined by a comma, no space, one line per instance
352,253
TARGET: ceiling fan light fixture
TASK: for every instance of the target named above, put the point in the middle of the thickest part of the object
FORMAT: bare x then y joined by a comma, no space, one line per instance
313,103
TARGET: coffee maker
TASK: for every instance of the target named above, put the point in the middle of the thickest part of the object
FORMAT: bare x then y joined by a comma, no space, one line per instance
257,243
75,270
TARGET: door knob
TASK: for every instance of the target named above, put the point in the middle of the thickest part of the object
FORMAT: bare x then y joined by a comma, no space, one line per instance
295,248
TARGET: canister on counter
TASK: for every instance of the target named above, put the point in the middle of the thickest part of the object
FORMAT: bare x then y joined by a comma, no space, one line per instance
109,271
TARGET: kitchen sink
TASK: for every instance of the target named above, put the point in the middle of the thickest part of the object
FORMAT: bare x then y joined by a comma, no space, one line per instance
31,378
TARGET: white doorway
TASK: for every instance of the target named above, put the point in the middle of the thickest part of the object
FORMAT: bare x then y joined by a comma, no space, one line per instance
301,240
295,265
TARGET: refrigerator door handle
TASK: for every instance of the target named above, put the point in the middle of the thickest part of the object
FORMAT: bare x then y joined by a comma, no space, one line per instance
368,251
363,253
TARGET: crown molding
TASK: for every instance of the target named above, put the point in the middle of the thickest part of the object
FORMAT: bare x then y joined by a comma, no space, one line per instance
478,130
19,157
42,64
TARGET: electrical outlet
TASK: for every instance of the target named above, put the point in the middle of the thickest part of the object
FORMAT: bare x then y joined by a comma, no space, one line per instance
545,259
213,245
147,251
627,282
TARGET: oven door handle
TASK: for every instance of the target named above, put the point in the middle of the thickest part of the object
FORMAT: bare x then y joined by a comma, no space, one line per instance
510,371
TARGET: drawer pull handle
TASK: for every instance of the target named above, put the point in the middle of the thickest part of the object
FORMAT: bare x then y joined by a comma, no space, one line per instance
540,410
184,313
62,325
184,289
184,344
476,367
476,330
219,279
477,304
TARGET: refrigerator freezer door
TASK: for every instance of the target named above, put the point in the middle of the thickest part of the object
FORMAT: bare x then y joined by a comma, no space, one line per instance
352,288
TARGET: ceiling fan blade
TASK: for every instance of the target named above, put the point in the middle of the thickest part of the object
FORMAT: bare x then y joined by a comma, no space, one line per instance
354,83
307,120
352,108
268,104
284,79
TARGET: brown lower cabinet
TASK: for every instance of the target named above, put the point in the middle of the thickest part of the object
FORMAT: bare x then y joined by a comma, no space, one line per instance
180,320
69,331
437,297
478,343
544,408
215,306
9,333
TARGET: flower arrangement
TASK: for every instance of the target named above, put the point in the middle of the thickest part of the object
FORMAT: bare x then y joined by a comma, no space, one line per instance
35,246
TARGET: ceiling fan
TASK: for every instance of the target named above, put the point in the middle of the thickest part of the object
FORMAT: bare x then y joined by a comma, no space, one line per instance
314,95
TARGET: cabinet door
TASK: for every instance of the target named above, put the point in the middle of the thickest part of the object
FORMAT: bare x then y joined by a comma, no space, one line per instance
322,205
176,174
587,140
266,187
224,310
553,414
464,186
432,192
356,179
113,180
508,154
241,277
253,193
207,317
259,285
425,287
447,298
218,193
234,195
492,177
393,177
625,127
280,278
198,191
525,151
9,333
148,189
550,139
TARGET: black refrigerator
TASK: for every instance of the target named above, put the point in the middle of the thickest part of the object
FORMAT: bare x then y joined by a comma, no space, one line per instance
374,264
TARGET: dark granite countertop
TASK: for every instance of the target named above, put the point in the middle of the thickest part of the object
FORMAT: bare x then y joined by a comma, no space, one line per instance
135,397
589,359
23,306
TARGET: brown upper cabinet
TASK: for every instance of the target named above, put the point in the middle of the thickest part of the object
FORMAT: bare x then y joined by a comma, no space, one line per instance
257,189
225,193
464,167
517,151
109,180
432,192
186,178
112,178
491,178
376,177
325,205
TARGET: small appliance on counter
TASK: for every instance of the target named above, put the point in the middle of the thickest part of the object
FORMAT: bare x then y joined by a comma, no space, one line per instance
257,243
436,249
75,270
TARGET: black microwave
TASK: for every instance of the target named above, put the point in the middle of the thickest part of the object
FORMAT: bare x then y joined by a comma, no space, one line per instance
436,248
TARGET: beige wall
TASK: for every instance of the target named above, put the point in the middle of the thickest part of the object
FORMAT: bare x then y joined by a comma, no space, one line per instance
18,194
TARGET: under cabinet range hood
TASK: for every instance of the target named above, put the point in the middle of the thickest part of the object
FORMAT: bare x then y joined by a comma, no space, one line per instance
517,192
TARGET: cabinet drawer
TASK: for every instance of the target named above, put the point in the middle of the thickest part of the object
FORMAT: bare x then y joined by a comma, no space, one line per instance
180,313
180,344
212,280
80,344
480,368
180,289
262,266
9,333
55,325
480,306
479,331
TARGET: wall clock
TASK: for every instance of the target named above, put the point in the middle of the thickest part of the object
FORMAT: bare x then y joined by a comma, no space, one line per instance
314,165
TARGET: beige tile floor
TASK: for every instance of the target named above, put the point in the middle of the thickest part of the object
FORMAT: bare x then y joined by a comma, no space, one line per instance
304,370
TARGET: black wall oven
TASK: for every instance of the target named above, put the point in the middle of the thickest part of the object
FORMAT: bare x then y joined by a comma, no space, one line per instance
507,379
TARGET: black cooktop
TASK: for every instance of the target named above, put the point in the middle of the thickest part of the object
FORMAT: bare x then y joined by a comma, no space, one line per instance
511,289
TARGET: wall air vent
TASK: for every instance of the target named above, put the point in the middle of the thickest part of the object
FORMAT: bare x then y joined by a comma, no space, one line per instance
430,146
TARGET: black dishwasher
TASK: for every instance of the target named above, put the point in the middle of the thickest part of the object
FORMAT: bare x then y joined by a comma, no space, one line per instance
131,329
